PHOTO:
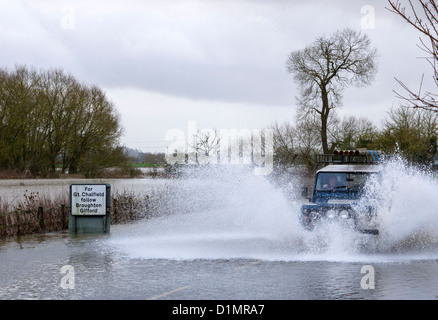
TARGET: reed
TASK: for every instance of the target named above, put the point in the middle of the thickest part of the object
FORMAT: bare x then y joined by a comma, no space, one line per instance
40,213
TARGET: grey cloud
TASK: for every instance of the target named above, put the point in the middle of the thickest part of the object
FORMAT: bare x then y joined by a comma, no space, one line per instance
232,51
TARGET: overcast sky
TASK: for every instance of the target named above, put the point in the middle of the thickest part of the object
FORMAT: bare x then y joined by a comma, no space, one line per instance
219,63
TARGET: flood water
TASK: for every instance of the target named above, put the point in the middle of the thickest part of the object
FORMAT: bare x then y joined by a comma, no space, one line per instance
234,235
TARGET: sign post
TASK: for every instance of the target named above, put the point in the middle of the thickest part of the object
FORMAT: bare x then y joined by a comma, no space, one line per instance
90,208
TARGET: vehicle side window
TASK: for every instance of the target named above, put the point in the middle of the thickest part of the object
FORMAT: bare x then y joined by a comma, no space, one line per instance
356,182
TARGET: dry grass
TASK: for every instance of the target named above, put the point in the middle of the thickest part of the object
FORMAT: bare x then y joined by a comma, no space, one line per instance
38,213
35,213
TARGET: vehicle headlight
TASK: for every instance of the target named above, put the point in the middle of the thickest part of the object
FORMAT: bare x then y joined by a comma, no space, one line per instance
307,212
344,214
314,215
331,214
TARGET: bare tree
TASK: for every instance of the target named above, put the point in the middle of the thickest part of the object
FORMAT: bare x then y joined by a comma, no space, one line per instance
283,143
325,68
423,16
307,146
206,144
352,132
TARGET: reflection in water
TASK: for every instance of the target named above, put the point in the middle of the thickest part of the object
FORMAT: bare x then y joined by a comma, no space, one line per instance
103,271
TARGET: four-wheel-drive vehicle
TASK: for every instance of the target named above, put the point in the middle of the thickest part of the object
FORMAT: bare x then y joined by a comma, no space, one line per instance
338,196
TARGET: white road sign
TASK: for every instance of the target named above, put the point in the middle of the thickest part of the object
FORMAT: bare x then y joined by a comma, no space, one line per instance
88,199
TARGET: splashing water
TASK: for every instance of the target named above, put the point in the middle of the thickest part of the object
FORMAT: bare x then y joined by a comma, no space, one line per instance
226,213
407,202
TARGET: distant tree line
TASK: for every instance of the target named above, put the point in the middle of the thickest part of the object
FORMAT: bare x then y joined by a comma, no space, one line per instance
49,121
137,156
409,132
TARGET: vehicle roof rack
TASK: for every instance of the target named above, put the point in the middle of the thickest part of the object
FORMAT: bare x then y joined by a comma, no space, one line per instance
356,156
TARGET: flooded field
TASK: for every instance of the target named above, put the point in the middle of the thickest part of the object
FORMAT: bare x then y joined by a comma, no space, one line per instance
14,190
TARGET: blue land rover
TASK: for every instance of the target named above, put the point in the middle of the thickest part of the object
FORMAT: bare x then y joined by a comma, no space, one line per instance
337,196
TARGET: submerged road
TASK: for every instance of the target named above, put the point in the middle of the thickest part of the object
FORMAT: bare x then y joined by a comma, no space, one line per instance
234,237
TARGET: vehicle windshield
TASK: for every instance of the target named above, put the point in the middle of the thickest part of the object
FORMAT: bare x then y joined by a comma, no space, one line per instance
339,181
